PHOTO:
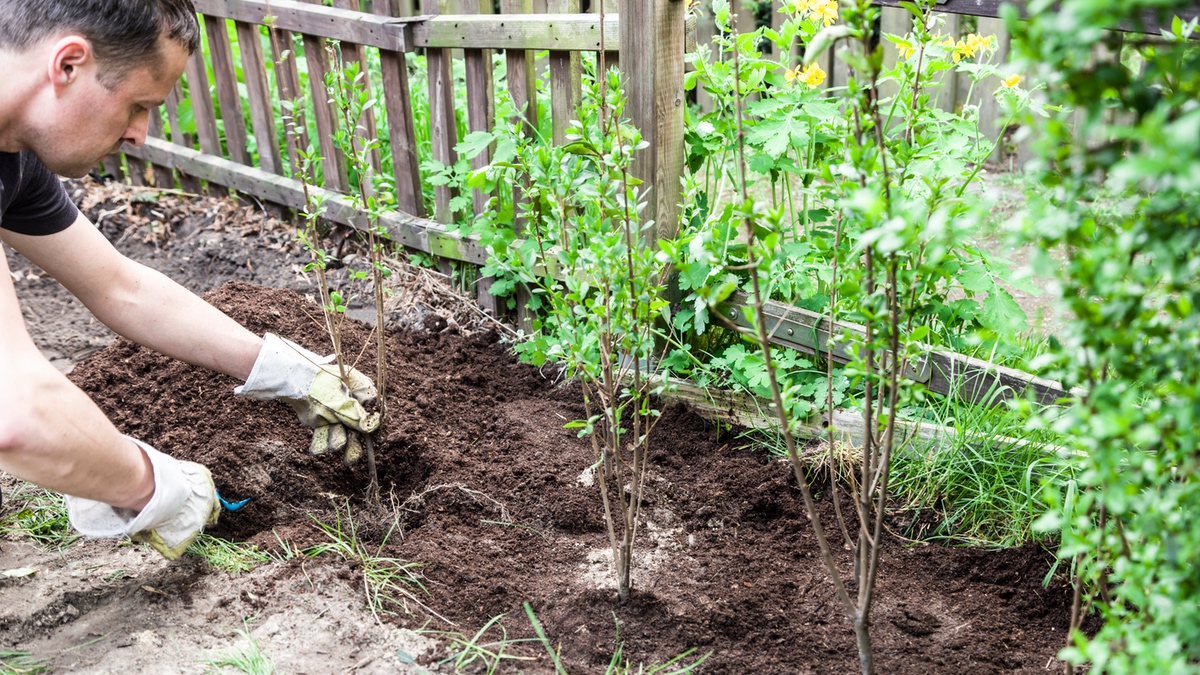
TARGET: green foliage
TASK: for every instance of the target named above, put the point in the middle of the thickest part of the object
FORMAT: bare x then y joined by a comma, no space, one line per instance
17,662
39,515
248,659
1128,135
817,189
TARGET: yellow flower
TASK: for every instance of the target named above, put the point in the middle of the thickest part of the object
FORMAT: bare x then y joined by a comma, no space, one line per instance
790,76
1012,81
813,76
948,42
802,6
906,51
826,10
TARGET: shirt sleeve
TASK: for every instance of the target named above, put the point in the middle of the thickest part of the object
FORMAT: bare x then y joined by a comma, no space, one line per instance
41,205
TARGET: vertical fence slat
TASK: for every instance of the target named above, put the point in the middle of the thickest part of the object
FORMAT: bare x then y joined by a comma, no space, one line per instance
163,176
565,83
287,84
522,86
443,130
481,109
990,110
652,44
258,89
204,113
706,28
112,167
351,53
225,74
187,182
397,100
324,112
481,115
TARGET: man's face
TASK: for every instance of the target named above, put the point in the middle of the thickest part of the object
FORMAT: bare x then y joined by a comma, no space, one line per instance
88,120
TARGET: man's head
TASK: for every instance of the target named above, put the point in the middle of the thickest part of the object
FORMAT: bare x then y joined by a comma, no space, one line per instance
86,73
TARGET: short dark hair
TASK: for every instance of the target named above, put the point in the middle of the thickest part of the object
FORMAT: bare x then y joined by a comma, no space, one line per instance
124,34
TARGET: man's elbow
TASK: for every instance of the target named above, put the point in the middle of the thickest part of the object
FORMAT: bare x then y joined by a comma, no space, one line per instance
18,428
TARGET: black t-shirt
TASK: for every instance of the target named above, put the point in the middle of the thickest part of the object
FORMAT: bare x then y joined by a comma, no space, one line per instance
32,200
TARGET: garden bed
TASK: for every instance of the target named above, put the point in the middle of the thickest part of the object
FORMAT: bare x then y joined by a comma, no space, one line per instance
727,562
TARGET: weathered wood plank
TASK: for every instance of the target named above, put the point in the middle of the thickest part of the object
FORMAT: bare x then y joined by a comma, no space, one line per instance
353,53
991,113
566,32
652,36
443,128
522,86
163,177
416,233
203,111
287,84
188,183
481,109
262,112
566,72
316,20
562,32
942,372
397,101
221,52
991,9
325,114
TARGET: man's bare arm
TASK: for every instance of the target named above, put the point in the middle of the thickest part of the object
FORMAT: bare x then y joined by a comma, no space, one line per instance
139,303
51,433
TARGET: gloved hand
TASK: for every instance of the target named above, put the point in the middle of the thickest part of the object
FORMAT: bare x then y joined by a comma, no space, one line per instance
312,385
183,504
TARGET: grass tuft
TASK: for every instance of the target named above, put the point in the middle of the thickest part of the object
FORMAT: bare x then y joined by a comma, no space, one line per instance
477,652
233,557
34,513
248,659
23,663
386,580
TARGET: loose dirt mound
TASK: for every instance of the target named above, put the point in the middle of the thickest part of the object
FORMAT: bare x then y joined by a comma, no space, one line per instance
728,562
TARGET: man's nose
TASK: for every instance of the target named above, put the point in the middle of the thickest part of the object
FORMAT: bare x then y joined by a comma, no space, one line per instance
136,133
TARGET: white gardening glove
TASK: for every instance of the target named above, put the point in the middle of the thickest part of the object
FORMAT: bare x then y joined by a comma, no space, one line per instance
183,504
312,385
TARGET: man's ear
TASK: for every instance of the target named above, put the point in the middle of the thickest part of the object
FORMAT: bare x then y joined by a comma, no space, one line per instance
68,57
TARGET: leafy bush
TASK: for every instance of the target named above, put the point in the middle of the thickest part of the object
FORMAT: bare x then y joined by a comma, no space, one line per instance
1120,199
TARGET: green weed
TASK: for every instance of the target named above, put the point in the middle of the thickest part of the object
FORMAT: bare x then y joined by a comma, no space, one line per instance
478,651
248,659
386,580
23,663
233,557
37,514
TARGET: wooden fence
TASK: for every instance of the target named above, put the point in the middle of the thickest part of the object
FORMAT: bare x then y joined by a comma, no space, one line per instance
246,151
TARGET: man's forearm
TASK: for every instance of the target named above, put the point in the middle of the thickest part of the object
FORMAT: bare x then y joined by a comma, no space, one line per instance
149,308
138,302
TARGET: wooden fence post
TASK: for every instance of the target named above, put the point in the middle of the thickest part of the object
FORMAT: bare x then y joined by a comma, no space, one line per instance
443,129
990,110
522,85
397,99
652,49
565,73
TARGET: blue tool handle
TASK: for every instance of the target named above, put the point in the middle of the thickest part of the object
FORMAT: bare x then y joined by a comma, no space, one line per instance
232,506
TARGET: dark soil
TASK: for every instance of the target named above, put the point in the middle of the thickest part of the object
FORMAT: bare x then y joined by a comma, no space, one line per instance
730,563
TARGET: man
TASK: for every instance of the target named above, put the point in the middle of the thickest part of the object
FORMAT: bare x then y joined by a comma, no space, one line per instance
79,78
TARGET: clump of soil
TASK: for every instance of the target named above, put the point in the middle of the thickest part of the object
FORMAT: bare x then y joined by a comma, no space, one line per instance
498,507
